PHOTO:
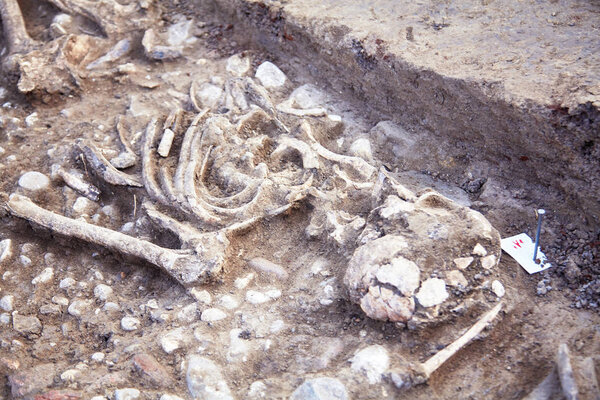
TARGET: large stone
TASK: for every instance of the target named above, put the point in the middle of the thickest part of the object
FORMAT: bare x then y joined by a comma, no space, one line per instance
205,381
320,389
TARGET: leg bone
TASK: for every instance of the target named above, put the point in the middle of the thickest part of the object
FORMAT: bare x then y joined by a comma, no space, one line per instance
187,267
430,366
15,32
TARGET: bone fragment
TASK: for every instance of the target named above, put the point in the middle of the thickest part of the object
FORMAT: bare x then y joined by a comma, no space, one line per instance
365,169
127,157
186,233
166,142
431,365
288,108
260,97
103,168
15,32
310,159
185,266
119,50
76,182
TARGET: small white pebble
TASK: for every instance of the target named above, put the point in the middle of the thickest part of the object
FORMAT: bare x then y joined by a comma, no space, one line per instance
270,76
212,315
254,297
5,318
60,300
130,323
26,261
273,294
241,283
102,292
127,394
66,283
277,326
45,276
98,357
479,250
70,375
229,302
110,306
498,288
31,119
201,295
170,397
152,303
188,314
7,302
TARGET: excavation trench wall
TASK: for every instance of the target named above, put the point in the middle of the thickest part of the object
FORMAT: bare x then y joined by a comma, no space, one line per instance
546,147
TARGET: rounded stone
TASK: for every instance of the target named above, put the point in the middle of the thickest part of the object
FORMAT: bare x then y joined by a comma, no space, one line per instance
372,362
34,181
102,292
498,288
212,315
127,394
7,302
130,323
270,76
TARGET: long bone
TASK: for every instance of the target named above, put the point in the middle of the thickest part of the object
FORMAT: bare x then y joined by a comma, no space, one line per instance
15,32
188,267
421,372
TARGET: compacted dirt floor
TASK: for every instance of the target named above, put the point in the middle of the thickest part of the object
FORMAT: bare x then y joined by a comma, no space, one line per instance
79,321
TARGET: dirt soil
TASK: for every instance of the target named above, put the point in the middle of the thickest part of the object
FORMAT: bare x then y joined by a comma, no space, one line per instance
79,348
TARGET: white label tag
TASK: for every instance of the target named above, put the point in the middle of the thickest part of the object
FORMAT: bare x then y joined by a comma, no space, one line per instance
520,247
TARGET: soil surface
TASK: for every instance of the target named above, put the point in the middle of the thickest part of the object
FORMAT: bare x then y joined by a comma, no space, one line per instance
79,321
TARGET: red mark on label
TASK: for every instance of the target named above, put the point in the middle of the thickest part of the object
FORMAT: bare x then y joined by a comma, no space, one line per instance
518,243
